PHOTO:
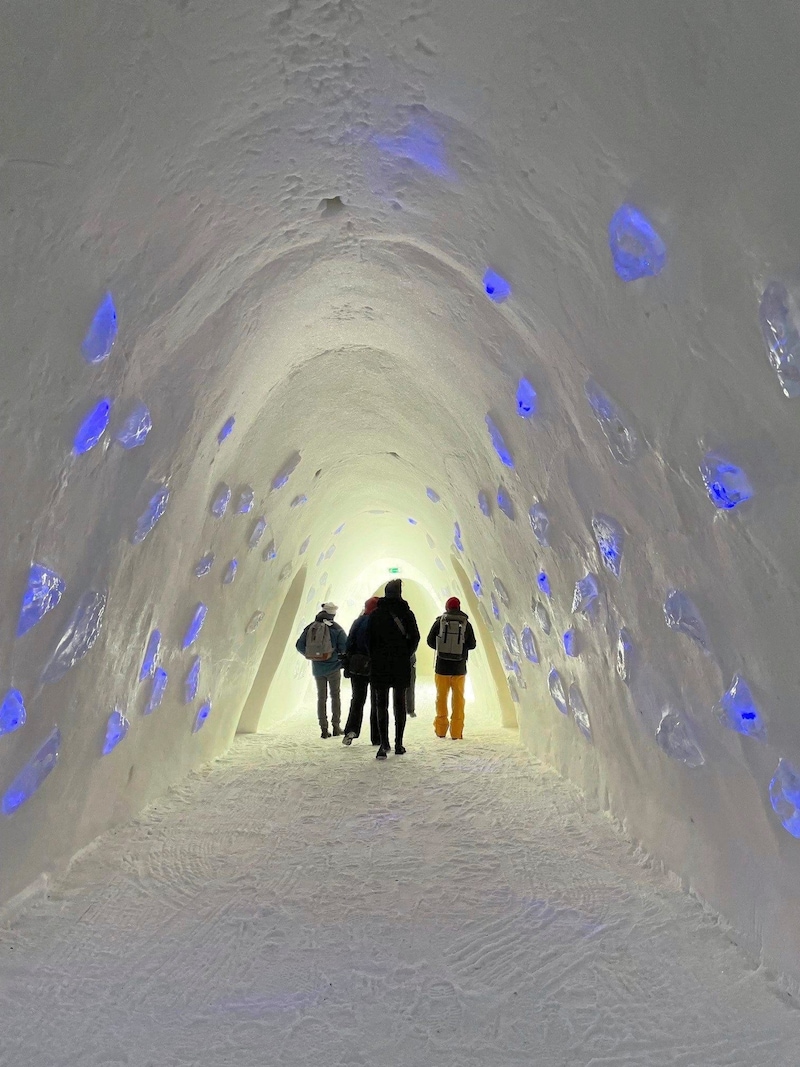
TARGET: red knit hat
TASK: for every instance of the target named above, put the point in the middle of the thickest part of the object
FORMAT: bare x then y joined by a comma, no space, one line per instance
370,605
453,604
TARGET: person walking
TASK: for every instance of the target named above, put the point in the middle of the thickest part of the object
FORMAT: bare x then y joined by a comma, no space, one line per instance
357,669
323,642
453,639
393,639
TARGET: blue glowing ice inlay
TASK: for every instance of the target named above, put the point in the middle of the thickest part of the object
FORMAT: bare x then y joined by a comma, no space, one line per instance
637,250
585,595
135,427
230,572
681,614
286,471
540,524
299,500
483,504
505,503
495,606
116,728
227,429
219,504
195,626
102,332
508,662
419,144
495,286
780,327
246,499
543,583
270,552
43,592
150,516
526,399
160,679
579,712
192,681
727,484
499,444
675,736
511,640
258,532
502,592
457,538
625,654
529,645
339,529
477,584
412,522
738,711
570,640
784,795
520,677
304,547
621,437
556,687
202,714
32,774
150,656
610,538
433,496
79,637
93,426
204,565
12,712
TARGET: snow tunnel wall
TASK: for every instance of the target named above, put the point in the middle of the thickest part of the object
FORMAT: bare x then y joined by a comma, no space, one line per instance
294,207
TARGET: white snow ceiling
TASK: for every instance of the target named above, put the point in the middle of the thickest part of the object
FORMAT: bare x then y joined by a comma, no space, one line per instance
293,206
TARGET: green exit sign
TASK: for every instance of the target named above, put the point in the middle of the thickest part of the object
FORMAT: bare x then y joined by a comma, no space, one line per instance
394,570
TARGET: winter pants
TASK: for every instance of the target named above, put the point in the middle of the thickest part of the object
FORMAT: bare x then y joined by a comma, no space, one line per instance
410,697
360,685
332,681
382,710
444,684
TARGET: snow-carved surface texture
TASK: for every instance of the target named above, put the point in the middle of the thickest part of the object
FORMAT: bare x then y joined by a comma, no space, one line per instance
556,687
43,592
681,614
542,617
676,737
30,778
579,712
255,621
150,516
82,631
620,435
540,524
780,326
625,655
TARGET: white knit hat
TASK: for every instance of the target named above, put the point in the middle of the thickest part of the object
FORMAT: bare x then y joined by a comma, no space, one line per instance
330,607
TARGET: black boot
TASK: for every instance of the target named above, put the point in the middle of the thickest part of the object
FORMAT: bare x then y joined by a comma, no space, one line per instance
325,733
382,753
338,731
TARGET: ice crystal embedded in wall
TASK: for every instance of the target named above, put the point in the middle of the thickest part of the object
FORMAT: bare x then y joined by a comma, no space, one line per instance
512,688
92,427
477,585
203,713
511,640
529,645
135,427
495,606
286,471
505,503
784,795
483,504
508,662
624,655
681,614
258,532
255,621
156,507
542,617
191,681
330,551
220,501
246,498
227,429
12,712
230,572
78,638
676,737
570,640
543,582
610,538
150,656
579,712
495,286
526,399
439,564
622,439
102,332
204,565
727,485
418,144
43,592
269,552
502,592
412,522
457,538
160,679
116,728
780,326
499,444
540,524
556,687
637,251
299,501
585,595
32,774
304,547
433,496
737,710
195,626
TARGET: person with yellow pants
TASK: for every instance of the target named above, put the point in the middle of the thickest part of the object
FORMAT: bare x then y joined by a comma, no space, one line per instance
453,638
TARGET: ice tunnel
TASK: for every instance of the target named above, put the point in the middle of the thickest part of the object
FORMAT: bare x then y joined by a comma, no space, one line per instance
500,298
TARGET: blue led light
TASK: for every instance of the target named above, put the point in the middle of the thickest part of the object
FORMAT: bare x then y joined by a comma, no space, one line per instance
412,522
498,443
32,774
246,498
227,429
543,583
12,712
610,538
505,503
102,332
738,711
526,399
160,679
93,426
570,640
202,714
135,427
432,495
204,565
220,501
195,626
419,144
637,251
150,656
42,593
477,585
495,606
495,286
727,485
230,572
116,729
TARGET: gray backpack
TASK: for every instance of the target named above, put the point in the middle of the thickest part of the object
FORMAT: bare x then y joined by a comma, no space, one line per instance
451,637
318,642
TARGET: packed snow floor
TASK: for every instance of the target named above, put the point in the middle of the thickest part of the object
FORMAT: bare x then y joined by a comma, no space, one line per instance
300,903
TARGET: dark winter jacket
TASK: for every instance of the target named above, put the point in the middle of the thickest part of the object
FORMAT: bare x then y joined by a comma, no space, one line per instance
389,649
357,640
452,667
322,667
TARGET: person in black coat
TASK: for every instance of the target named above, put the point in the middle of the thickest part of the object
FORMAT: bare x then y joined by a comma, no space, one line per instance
393,639
357,669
